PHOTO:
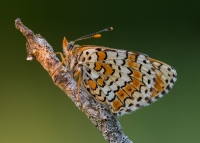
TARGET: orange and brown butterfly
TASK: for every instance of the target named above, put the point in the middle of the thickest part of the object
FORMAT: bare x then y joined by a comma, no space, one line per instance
123,80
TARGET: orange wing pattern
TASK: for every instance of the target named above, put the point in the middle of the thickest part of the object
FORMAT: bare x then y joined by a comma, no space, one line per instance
123,80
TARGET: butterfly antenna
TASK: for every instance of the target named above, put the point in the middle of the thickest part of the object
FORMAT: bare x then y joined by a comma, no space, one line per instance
94,35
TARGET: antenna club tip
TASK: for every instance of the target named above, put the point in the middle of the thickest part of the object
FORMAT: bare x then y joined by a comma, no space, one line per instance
97,36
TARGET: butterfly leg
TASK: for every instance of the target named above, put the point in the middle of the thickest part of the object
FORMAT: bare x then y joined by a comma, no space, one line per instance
65,44
61,55
79,74
63,60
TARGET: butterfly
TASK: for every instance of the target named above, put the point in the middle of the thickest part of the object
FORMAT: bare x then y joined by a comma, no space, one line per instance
121,79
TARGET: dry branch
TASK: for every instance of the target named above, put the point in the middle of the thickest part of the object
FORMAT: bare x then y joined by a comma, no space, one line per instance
38,48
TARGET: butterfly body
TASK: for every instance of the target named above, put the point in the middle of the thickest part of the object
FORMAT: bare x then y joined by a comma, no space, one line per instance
123,80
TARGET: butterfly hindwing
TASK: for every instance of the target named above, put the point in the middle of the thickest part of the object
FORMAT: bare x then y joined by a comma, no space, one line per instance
165,78
124,80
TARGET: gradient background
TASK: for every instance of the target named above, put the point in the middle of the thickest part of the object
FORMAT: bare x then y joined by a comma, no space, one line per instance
34,110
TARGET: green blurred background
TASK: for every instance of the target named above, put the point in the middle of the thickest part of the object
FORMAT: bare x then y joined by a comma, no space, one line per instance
34,110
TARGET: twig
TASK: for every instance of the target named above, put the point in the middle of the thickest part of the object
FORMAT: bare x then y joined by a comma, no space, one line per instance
38,48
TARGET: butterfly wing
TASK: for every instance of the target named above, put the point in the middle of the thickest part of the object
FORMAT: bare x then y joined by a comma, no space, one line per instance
166,76
123,80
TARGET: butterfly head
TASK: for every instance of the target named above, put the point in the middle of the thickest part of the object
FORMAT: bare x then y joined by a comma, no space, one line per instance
67,47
